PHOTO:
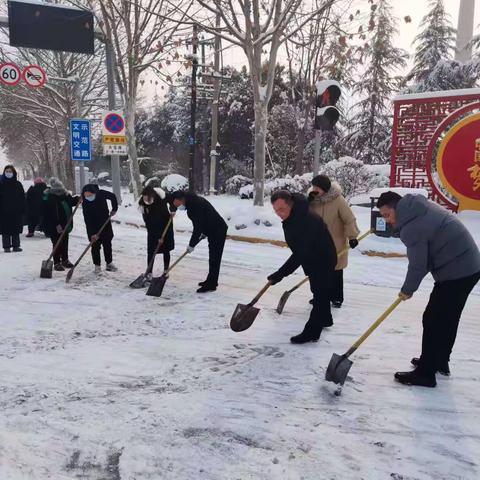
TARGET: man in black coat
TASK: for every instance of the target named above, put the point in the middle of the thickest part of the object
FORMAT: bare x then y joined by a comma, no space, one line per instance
208,222
95,213
12,208
34,205
312,248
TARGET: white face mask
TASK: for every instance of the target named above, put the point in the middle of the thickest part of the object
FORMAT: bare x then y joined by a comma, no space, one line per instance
9,174
182,207
147,202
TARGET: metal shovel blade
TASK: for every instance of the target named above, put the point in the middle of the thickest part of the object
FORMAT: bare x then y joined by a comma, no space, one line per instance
156,286
338,369
47,269
139,282
69,275
243,317
283,300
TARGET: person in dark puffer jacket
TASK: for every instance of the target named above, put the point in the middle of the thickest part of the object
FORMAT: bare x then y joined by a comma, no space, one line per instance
438,243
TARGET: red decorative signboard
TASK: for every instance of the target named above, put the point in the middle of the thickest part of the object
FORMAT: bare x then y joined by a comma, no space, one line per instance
458,162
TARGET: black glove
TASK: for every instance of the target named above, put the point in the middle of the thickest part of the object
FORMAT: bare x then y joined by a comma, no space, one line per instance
353,243
312,196
275,278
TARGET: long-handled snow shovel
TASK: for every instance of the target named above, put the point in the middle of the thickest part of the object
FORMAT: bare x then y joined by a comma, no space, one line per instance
47,265
156,285
286,295
244,315
102,228
340,365
140,281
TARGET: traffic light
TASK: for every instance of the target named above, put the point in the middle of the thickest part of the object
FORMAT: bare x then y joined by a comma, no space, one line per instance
326,114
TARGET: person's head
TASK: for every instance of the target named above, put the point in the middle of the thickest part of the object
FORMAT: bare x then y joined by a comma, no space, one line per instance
321,184
282,203
38,181
90,192
9,172
387,204
178,198
148,195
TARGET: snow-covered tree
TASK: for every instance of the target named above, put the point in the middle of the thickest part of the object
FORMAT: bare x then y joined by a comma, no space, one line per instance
369,139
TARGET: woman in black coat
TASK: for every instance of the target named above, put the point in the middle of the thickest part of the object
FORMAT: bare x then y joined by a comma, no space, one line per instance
12,208
95,213
34,205
57,207
156,215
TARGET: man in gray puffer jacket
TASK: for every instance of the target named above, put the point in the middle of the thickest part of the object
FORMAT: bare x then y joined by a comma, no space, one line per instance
438,243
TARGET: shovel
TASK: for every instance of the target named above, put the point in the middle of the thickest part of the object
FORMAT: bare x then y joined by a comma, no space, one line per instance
139,282
70,272
47,265
156,285
286,295
244,315
340,365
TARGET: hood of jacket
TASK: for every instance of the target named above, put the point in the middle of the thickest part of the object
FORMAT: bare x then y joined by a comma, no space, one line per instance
57,187
409,208
160,192
90,187
334,192
300,209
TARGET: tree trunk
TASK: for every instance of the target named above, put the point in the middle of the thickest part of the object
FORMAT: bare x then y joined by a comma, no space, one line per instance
261,125
132,148
301,136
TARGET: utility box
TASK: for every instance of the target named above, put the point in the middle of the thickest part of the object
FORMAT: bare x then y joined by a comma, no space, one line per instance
378,225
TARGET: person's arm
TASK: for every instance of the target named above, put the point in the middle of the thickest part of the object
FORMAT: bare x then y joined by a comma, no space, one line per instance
285,270
417,253
348,219
113,200
198,220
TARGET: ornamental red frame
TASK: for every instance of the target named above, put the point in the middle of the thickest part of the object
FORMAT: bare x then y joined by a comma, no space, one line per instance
419,120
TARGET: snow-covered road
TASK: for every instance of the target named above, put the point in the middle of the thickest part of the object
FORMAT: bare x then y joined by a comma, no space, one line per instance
100,382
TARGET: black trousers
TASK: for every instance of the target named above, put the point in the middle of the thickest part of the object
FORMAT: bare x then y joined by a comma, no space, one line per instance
61,255
441,318
216,244
337,287
107,251
33,222
321,314
152,242
9,241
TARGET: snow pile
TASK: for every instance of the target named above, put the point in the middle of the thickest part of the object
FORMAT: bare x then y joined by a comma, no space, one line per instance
172,183
298,183
235,183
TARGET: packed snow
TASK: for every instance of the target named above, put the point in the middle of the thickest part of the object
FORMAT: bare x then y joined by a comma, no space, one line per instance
101,382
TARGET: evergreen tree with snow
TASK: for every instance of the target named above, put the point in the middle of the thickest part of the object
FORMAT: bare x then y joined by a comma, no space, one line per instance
435,42
369,138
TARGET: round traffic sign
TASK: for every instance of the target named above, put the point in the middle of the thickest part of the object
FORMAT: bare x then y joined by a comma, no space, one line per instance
114,123
34,76
10,74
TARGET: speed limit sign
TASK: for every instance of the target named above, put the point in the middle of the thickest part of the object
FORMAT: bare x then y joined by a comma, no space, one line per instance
10,74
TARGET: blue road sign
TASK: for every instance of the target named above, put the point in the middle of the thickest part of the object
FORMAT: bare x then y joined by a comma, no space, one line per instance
80,140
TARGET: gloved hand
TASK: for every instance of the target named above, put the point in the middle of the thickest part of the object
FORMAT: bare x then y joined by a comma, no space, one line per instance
94,238
113,213
353,242
59,229
312,196
190,249
275,278
404,296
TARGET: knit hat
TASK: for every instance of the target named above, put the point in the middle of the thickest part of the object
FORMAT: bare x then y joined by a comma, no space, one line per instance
38,181
178,195
57,187
323,182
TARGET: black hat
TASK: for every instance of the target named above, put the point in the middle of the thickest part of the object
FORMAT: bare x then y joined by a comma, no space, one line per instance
178,195
323,182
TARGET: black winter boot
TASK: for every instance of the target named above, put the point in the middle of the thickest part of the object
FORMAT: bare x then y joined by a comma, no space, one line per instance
305,337
206,288
337,304
59,267
417,378
442,369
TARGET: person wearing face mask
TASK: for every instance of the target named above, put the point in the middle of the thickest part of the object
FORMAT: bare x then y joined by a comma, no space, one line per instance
208,222
327,202
95,213
57,207
156,214
12,208
34,205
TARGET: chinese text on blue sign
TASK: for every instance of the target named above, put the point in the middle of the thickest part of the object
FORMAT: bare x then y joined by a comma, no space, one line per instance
80,140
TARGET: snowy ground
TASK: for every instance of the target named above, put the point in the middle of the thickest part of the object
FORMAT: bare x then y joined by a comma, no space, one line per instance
100,382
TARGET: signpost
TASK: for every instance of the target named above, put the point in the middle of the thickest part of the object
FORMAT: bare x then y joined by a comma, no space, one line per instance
80,144
114,139
10,74
34,76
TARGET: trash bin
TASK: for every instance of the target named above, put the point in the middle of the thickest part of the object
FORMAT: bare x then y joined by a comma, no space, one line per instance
378,224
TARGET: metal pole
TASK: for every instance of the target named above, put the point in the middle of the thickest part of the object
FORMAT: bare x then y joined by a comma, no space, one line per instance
114,159
193,107
78,114
316,157
216,98
466,16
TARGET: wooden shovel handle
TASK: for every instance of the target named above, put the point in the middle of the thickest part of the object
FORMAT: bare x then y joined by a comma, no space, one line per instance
64,232
260,294
342,252
374,326
159,244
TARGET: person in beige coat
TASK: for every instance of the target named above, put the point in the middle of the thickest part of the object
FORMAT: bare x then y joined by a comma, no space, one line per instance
326,201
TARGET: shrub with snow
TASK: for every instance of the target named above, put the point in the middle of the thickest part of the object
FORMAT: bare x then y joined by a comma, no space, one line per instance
235,183
172,183
299,183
